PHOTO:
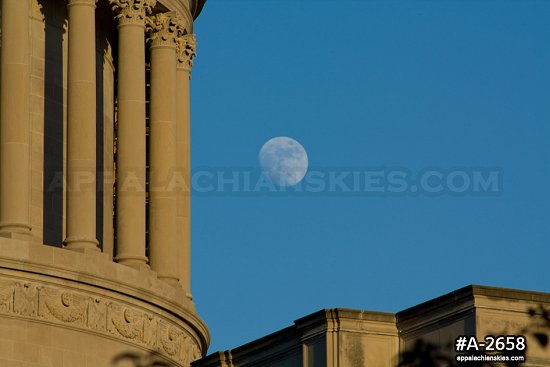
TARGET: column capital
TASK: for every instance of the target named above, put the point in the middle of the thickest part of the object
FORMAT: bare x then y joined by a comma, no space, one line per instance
186,48
165,28
132,12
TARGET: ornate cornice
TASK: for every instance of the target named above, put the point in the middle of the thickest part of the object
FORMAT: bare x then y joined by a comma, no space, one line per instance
186,51
95,273
132,11
165,28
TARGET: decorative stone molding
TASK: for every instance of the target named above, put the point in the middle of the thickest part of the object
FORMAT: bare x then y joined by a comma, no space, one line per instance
91,3
165,28
132,11
64,306
186,50
56,305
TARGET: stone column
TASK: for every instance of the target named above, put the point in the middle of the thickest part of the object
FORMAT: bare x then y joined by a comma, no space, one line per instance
14,121
164,28
81,129
131,143
186,53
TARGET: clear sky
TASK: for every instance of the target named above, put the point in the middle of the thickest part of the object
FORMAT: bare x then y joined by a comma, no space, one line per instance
368,86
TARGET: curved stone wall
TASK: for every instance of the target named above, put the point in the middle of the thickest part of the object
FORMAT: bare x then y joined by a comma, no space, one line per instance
85,304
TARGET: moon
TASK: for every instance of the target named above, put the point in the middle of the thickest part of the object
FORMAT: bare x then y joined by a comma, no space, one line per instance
284,161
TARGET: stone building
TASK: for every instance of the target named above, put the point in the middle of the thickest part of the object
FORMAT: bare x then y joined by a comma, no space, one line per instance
95,211
354,338
94,153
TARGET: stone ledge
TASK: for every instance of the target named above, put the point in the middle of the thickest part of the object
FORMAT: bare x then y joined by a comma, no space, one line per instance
94,271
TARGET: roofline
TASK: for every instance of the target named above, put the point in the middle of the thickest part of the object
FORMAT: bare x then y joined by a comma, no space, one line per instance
311,321
463,295
469,292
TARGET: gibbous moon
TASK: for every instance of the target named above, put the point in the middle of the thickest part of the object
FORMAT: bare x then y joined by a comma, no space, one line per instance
284,161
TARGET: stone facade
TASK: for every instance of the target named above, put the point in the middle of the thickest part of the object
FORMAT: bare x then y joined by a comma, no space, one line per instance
86,301
353,338
83,275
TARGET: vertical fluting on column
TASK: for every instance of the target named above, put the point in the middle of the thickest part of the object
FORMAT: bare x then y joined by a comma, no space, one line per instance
131,138
81,129
164,28
14,120
186,52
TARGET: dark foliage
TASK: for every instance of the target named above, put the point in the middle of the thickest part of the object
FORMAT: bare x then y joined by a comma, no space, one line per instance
424,355
429,355
139,360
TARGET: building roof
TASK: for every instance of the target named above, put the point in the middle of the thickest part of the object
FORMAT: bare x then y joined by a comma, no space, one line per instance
468,293
456,304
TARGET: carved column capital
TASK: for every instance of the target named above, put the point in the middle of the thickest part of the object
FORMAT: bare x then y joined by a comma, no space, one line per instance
165,28
186,51
132,11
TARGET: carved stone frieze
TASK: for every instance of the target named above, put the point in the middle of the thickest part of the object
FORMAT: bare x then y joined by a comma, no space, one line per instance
97,314
25,299
7,292
126,322
171,339
63,306
58,305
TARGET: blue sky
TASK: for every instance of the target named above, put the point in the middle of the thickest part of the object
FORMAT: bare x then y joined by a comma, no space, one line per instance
409,84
